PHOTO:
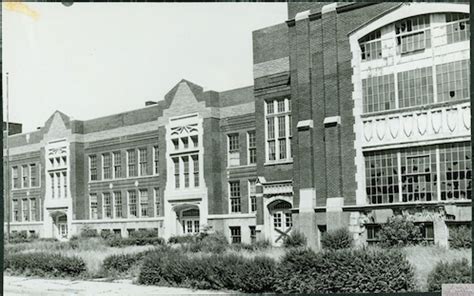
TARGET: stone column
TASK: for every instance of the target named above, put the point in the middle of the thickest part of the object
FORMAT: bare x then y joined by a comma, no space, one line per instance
441,233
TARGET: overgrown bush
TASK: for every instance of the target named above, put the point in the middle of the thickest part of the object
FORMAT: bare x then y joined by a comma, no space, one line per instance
208,243
144,233
106,234
19,237
182,239
458,271
208,272
123,262
134,241
44,264
294,240
343,271
399,231
460,237
337,239
258,245
87,232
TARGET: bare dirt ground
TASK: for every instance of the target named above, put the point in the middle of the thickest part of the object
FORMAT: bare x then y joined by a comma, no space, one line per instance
16,286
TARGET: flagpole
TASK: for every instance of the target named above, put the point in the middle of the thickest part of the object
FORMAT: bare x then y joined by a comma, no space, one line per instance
7,183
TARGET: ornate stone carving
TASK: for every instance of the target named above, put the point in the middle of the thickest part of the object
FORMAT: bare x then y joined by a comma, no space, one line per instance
422,122
394,124
184,129
436,120
380,128
466,116
368,130
452,115
57,151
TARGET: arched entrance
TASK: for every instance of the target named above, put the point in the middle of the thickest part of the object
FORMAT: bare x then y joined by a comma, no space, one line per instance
188,218
60,225
281,221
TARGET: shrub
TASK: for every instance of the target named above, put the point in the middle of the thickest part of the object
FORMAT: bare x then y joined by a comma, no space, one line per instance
134,241
338,239
41,264
19,237
86,232
207,242
144,233
106,234
182,239
460,237
458,271
343,271
123,262
399,231
295,239
208,272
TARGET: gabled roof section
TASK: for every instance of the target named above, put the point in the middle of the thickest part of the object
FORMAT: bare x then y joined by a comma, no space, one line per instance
56,115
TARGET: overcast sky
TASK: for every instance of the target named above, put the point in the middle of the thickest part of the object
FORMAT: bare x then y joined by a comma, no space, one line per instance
95,59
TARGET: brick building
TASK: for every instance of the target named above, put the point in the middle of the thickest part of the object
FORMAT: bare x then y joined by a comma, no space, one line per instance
358,112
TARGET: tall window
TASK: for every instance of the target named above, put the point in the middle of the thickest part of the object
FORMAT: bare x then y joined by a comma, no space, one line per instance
234,196
16,177
107,205
278,134
456,171
143,203
288,220
418,174
413,34
157,201
186,170
117,164
234,153
143,161
381,173
176,172
156,158
65,183
253,234
252,147
93,205
415,87
24,175
24,210
378,93
51,177
118,204
93,167
457,28
16,211
252,195
33,175
196,170
106,166
33,216
132,162
235,235
453,80
132,203
58,184
371,46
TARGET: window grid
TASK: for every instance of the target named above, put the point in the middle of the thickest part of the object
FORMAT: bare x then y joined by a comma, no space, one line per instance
418,174
143,161
176,172
131,161
93,167
277,124
65,183
235,235
107,166
253,234
381,173
253,195
117,164
455,171
413,34
457,28
93,205
235,206
156,158
157,202
24,209
185,160
118,204
16,210
16,178
24,176
277,220
371,46
33,175
58,183
196,170
233,142
132,203
415,87
453,80
107,205
252,147
143,203
33,214
288,220
378,93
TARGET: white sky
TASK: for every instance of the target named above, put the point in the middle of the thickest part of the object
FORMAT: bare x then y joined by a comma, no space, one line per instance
95,59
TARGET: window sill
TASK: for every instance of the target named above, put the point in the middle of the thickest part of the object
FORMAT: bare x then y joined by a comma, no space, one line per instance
122,179
25,188
241,166
278,162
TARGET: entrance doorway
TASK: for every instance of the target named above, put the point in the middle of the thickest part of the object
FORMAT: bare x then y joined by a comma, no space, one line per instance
282,222
61,225
190,221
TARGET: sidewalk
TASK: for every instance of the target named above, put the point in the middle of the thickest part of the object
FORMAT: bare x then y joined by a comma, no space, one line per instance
16,286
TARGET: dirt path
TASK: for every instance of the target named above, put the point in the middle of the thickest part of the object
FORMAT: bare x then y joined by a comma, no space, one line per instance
35,286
